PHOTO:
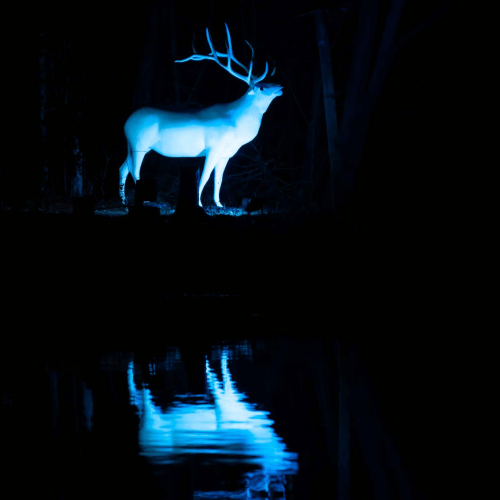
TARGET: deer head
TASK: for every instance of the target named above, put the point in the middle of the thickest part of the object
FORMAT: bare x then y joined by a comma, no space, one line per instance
264,93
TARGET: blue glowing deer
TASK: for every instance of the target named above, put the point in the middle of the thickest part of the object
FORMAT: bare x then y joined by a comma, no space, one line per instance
216,132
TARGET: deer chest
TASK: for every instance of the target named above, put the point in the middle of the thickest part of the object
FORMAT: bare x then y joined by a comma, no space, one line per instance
247,128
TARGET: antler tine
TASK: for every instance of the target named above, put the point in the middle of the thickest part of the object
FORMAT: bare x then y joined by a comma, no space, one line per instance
253,81
231,57
194,57
260,78
234,60
228,42
251,61
251,48
213,56
214,52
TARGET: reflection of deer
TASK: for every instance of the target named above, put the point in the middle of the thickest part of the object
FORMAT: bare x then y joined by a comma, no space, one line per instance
216,132
227,430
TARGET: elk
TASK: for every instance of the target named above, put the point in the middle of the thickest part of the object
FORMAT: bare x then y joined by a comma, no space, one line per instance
216,132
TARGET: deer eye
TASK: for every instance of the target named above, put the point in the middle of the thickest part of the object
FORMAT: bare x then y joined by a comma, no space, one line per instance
262,88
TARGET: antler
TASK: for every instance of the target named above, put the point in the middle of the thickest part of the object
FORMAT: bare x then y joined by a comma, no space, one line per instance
214,56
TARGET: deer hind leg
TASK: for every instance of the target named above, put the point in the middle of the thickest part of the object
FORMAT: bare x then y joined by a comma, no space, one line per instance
123,173
135,169
219,171
210,163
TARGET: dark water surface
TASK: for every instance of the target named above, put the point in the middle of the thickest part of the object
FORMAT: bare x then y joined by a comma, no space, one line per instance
174,361
230,420
233,419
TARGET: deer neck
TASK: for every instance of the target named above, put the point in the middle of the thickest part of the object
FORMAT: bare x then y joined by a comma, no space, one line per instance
247,105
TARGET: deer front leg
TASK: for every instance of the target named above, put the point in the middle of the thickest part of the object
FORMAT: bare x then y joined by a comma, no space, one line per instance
137,157
210,163
219,171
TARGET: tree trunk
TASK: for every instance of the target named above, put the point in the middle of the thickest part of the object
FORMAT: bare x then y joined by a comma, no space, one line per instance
43,89
173,48
77,181
187,204
144,89
309,160
330,105
290,125
344,439
387,476
367,75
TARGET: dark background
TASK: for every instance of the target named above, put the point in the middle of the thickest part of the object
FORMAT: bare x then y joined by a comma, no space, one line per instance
95,63
382,280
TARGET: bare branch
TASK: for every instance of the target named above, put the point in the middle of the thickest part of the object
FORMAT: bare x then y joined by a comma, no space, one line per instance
415,30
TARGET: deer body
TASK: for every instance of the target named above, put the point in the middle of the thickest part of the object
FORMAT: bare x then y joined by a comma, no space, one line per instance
216,132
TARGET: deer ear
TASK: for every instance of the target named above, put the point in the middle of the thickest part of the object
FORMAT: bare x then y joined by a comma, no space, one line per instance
252,92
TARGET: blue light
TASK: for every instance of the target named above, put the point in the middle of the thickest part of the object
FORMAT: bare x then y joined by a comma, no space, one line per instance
221,426
216,132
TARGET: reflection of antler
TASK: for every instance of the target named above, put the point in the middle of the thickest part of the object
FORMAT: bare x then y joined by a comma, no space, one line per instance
214,56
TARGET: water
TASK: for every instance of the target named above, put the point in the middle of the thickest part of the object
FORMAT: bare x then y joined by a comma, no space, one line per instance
201,418
229,420
147,363
219,428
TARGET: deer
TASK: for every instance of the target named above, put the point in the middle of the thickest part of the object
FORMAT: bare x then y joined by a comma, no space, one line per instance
216,132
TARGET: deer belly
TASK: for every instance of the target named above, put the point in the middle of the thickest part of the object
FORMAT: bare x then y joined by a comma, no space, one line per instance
180,142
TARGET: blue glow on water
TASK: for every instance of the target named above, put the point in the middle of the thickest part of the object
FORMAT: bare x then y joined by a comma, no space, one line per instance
220,426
